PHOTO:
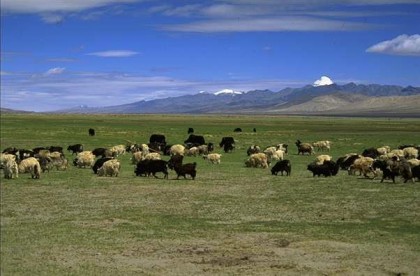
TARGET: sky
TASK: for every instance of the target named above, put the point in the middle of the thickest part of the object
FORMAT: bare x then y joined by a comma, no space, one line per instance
62,54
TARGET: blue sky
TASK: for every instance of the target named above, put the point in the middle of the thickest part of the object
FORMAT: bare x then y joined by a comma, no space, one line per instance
60,54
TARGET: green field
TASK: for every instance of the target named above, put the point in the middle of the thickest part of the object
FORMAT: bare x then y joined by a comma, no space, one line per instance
230,220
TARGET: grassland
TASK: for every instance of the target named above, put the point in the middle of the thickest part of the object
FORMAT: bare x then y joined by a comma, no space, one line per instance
230,220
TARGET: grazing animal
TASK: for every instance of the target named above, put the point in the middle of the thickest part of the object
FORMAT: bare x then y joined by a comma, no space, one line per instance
213,158
416,172
110,168
101,152
304,148
75,148
117,150
410,152
177,149
370,152
346,161
149,166
99,163
30,165
282,166
257,160
158,139
190,130
91,132
322,145
11,169
194,141
320,159
253,149
175,163
84,159
328,168
363,165
388,170
228,144
238,129
55,148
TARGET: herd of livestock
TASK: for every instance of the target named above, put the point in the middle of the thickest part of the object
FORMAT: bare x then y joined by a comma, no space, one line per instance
383,162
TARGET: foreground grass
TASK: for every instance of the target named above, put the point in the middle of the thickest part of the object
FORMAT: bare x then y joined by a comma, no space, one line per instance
230,220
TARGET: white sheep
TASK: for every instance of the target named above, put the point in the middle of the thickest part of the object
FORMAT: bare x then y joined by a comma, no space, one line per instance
137,157
152,156
213,158
383,150
117,150
85,159
110,168
194,151
322,145
177,149
203,149
363,165
320,159
398,152
5,157
410,152
413,162
257,160
30,165
11,169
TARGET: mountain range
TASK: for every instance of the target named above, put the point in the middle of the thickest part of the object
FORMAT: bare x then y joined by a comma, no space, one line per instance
348,100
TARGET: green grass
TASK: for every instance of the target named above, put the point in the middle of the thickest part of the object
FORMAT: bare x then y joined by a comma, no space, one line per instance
230,220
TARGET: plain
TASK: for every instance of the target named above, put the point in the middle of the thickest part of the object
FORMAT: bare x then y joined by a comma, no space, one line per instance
229,220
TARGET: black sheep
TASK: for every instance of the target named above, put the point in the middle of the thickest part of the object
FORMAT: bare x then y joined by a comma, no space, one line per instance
282,166
175,163
147,167
328,168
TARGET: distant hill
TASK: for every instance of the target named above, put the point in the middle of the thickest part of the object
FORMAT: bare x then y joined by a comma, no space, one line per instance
349,99
8,110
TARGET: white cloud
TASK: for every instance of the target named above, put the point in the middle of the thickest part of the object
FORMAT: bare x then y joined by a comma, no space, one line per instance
46,6
401,45
55,71
279,24
114,53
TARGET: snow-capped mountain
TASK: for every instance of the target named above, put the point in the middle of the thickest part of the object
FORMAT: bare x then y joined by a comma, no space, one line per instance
324,80
228,92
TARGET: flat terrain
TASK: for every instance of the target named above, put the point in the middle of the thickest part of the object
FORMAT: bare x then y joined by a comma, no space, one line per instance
230,220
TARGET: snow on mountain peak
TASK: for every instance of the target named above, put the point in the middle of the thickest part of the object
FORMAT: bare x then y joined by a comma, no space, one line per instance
324,80
228,92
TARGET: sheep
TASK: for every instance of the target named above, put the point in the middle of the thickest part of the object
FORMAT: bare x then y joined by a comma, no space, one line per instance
151,156
11,169
99,163
322,145
58,160
194,151
328,168
32,166
346,161
410,152
320,159
213,158
416,172
282,166
84,159
145,149
253,149
117,150
110,168
136,157
282,147
413,162
387,169
257,160
202,149
363,165
398,152
147,167
304,148
175,163
383,150
177,149
5,157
